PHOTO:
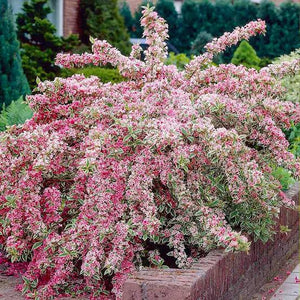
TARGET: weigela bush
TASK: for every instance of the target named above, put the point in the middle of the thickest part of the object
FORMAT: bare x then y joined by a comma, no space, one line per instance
167,157
291,84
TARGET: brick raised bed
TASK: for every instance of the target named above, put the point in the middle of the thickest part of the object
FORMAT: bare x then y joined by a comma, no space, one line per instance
220,275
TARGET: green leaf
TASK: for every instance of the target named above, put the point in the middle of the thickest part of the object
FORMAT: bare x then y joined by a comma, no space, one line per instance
37,245
156,239
92,40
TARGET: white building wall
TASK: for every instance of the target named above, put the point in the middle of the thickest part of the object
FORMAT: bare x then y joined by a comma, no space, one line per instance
55,17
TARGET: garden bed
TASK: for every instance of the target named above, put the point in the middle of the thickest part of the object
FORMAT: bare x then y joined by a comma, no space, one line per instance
222,275
219,275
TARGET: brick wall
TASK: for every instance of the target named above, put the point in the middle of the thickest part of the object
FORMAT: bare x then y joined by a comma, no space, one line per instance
220,275
71,17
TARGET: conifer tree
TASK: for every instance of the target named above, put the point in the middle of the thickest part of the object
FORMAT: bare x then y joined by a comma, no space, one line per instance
268,12
166,10
137,28
188,28
101,19
245,55
196,16
13,82
39,42
126,14
223,18
244,12
285,35
201,40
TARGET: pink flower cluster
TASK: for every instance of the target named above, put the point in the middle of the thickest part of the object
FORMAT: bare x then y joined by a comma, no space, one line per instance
220,44
102,171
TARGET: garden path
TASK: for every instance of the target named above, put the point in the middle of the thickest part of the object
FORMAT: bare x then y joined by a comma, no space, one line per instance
290,288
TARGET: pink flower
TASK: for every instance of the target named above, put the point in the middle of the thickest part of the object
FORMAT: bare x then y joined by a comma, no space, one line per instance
102,172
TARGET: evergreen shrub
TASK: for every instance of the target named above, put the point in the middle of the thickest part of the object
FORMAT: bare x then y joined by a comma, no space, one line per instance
201,40
101,19
126,14
179,60
105,75
39,41
245,55
216,17
13,82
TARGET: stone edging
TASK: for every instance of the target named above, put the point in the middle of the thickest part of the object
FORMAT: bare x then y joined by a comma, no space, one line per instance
220,275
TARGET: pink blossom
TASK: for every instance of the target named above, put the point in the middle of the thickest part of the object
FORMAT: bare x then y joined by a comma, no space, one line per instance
166,157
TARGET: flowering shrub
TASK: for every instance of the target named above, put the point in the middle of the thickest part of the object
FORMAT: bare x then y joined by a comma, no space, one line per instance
172,158
290,83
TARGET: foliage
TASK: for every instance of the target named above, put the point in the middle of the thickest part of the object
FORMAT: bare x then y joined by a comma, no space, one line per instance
105,75
13,82
245,55
268,12
196,16
126,14
168,157
293,136
291,92
285,35
137,31
166,10
290,83
264,62
179,60
216,17
223,17
101,19
244,11
16,113
201,40
284,176
38,41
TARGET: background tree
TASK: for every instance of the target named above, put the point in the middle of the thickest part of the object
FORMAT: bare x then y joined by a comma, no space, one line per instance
245,55
13,82
188,28
216,17
285,35
101,19
268,12
201,40
137,28
38,41
166,9
223,18
196,16
244,12
126,14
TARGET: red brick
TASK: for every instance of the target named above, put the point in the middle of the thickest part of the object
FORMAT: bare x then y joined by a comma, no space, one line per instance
219,275
71,17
